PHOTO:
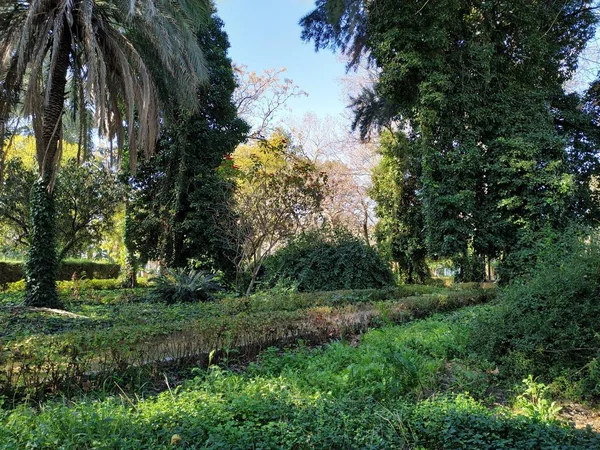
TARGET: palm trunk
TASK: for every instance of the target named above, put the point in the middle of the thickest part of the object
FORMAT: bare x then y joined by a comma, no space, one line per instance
42,262
2,150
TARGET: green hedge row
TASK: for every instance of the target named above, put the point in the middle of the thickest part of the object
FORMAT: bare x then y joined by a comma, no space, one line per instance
13,271
338,397
66,360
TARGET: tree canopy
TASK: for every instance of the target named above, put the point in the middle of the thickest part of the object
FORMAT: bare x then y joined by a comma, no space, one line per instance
179,196
478,87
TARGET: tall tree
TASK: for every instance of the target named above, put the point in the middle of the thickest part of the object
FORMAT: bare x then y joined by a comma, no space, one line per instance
396,185
180,195
478,83
115,50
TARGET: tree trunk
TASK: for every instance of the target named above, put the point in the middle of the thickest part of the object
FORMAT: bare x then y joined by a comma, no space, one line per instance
178,254
253,279
41,266
131,261
42,263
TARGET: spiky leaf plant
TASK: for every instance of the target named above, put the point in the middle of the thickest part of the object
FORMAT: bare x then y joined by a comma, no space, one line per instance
184,286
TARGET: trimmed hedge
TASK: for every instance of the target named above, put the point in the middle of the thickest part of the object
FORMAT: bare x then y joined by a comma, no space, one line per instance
11,271
86,359
92,270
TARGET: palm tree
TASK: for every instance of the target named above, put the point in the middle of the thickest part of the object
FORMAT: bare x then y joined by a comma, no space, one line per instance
117,54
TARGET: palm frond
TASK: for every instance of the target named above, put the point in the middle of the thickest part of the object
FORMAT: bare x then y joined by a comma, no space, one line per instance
109,44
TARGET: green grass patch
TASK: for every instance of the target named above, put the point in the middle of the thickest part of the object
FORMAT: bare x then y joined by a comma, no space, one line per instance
376,395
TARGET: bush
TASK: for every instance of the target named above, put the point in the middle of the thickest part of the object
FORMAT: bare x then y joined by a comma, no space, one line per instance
183,286
328,261
548,323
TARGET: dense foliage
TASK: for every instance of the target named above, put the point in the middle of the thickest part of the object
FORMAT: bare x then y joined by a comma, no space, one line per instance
326,261
179,196
86,196
546,325
338,396
399,231
478,88
279,192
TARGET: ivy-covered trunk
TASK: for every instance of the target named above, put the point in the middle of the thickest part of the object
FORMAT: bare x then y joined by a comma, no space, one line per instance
131,260
42,263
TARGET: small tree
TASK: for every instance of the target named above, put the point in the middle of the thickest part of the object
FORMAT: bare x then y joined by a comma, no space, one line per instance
278,194
86,196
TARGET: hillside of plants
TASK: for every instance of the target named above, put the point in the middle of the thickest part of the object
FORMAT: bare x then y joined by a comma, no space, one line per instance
185,262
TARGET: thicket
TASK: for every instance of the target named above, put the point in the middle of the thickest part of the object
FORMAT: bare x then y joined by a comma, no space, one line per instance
328,261
546,324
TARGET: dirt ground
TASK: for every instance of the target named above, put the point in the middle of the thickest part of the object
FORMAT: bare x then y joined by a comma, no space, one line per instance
581,416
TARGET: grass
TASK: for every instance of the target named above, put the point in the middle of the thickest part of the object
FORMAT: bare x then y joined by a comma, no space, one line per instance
405,387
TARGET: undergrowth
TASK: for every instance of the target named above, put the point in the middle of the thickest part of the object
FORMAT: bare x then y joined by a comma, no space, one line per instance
377,395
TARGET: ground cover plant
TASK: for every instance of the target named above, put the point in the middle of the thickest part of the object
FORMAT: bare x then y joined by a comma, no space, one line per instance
48,351
373,395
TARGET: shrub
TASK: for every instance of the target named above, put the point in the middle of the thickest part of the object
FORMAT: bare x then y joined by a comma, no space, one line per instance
184,286
549,322
328,261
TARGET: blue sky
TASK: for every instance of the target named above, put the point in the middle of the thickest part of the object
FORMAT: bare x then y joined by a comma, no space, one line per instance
265,34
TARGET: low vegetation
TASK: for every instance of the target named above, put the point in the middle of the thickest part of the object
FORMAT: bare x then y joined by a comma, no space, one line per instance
128,336
378,394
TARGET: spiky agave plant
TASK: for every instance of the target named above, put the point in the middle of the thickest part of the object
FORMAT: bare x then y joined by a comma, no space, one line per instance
115,52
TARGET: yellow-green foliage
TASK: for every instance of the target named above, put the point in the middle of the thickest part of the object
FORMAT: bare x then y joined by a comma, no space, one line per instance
23,147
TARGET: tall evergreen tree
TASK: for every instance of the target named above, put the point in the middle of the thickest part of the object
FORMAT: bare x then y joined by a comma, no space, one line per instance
180,195
396,185
481,86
